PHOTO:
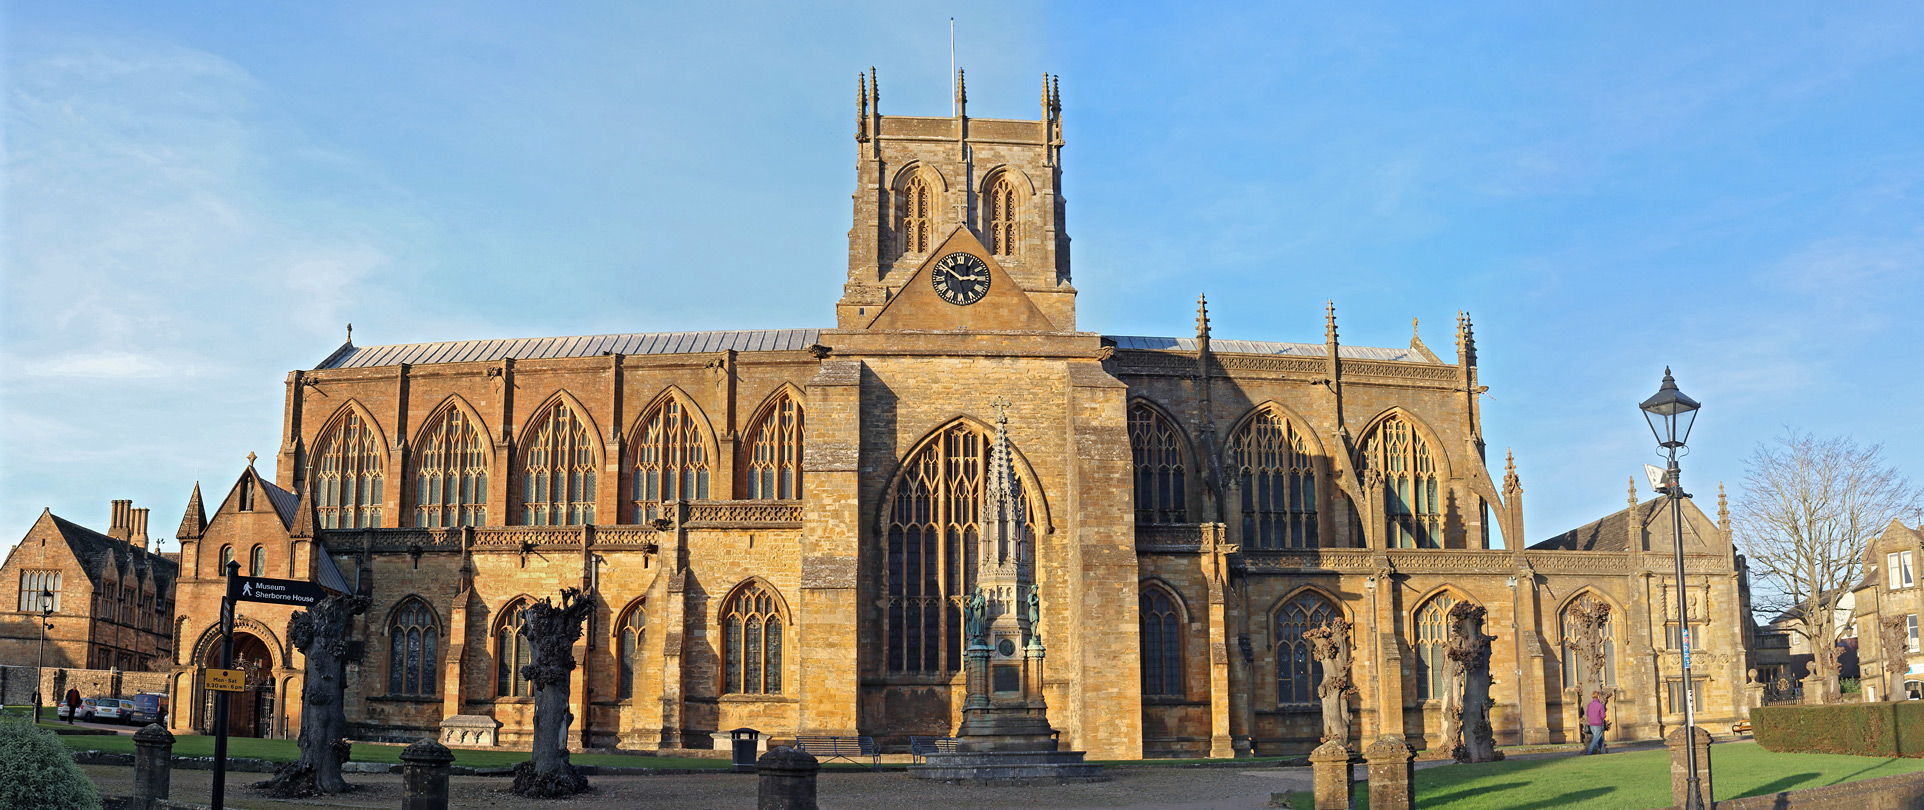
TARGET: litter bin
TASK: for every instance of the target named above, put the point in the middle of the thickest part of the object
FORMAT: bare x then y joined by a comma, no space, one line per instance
745,741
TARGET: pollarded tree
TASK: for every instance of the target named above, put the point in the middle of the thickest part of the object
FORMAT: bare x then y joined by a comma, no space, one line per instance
320,633
1809,508
551,633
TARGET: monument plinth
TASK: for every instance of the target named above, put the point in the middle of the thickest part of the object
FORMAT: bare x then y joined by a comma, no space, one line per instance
1005,735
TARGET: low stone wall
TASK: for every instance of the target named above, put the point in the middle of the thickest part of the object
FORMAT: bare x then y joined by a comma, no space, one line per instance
16,683
1900,792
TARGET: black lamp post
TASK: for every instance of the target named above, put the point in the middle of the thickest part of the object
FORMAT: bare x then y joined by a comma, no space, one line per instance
39,666
1671,415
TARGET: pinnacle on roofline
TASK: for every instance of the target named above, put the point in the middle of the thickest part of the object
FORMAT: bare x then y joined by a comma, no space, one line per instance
1329,322
1202,316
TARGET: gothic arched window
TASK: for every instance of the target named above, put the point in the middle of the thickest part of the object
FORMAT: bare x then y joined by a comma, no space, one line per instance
511,653
775,452
628,640
933,530
347,481
1297,674
226,556
671,459
412,643
1402,457
752,641
1572,669
257,562
1432,645
558,470
1156,445
1276,483
999,208
451,472
1161,644
914,214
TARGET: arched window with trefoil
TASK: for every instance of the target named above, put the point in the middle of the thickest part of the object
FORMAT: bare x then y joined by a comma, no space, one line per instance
752,642
1297,674
670,458
1161,643
558,468
1156,445
413,641
451,471
1275,481
915,214
348,476
1401,456
630,634
999,210
775,451
511,652
1432,646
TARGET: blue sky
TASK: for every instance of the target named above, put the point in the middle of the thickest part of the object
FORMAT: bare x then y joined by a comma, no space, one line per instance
198,198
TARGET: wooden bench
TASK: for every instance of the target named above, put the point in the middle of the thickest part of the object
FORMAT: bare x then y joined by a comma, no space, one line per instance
825,748
921,747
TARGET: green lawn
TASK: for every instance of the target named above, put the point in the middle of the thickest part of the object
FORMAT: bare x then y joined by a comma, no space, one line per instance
1636,780
195,745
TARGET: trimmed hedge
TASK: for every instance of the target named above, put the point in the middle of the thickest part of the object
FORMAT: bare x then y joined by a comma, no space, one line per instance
1891,729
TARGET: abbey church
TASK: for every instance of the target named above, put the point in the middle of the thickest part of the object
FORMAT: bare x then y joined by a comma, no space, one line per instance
779,528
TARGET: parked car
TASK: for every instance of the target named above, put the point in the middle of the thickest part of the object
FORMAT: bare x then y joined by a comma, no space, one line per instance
106,710
87,706
148,708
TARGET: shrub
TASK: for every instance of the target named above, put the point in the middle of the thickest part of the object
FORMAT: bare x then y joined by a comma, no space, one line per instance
1862,729
37,770
1850,686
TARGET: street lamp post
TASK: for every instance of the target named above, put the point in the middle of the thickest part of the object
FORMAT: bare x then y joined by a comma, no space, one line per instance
39,666
1671,415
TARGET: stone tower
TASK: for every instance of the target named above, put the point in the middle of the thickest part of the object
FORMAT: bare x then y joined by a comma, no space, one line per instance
917,179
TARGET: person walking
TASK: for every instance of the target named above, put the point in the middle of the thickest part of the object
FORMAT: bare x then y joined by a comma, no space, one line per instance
1594,715
73,705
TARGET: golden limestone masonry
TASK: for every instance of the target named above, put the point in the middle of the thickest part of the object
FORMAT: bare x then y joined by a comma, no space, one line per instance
780,529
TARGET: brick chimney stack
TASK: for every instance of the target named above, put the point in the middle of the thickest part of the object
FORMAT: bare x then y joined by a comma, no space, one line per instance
119,527
137,528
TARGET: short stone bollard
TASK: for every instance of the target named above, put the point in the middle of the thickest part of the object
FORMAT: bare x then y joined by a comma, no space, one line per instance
424,776
1329,767
1392,774
153,764
787,779
1680,765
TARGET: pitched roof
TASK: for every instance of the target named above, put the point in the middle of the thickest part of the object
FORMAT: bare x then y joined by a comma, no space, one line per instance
194,521
1268,347
472,351
1609,533
286,504
97,551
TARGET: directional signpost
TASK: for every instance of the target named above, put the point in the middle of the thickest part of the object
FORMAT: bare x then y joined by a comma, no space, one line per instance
294,592
227,680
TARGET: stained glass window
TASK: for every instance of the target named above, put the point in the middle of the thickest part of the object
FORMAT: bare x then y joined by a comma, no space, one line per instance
511,653
670,459
412,645
1161,644
630,637
1157,447
451,472
558,470
775,452
1297,674
752,627
1414,513
347,481
1432,646
1275,483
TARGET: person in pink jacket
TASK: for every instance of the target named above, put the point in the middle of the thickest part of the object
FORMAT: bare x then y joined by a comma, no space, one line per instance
1594,715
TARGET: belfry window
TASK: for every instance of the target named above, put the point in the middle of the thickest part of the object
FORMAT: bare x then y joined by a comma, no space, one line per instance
1156,446
752,639
1161,644
412,644
451,472
347,482
1276,483
628,640
933,531
914,209
1412,511
511,653
1432,645
671,459
1297,674
999,208
558,470
775,452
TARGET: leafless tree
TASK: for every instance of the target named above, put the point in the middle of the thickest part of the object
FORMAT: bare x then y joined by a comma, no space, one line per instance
1809,508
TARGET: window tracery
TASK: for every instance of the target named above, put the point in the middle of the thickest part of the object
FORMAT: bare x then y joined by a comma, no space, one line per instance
933,531
1157,446
1276,483
629,638
451,472
347,482
32,584
1400,455
412,647
1000,207
775,452
1161,644
558,470
1432,643
914,214
511,653
1297,674
671,459
752,639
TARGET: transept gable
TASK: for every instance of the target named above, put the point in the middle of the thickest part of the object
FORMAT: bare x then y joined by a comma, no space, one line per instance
918,305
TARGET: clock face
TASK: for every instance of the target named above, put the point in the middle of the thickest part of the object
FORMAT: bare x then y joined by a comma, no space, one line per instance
960,278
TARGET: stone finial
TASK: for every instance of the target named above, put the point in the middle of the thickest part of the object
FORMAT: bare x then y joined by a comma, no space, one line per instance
1511,483
1465,340
874,91
861,107
1633,492
1723,508
1202,316
1329,322
250,459
350,333
961,94
1416,333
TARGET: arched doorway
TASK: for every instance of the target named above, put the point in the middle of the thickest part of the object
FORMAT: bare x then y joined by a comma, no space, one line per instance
251,712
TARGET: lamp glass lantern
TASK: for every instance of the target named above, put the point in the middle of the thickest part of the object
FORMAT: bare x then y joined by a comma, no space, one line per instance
46,603
1670,413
